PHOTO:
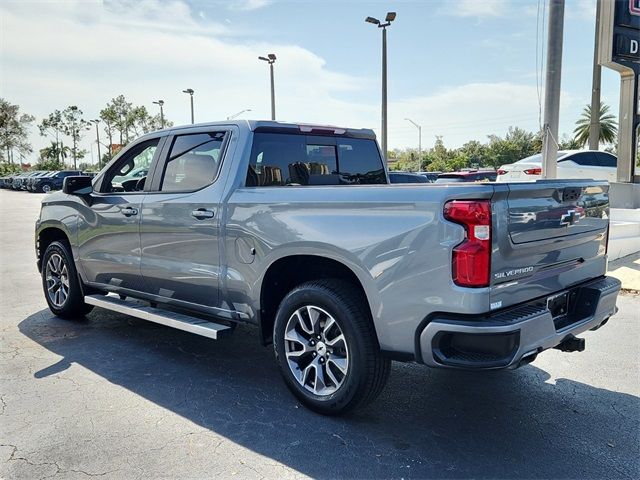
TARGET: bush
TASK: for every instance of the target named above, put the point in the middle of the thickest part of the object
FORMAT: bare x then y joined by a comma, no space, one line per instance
7,168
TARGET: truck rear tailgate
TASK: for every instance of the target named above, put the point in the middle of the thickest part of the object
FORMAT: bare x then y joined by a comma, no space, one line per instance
549,235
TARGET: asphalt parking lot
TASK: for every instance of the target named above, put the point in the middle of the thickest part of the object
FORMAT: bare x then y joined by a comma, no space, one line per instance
116,397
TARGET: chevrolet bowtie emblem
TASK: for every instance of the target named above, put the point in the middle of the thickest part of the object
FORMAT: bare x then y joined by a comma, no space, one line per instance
570,218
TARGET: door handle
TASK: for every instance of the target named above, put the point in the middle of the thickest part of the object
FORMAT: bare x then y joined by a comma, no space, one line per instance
202,213
129,211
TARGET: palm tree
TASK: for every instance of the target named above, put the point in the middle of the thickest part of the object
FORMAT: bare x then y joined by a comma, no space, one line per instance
55,152
608,126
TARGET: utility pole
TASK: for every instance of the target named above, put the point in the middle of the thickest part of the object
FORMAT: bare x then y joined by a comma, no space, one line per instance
552,89
271,59
594,127
391,16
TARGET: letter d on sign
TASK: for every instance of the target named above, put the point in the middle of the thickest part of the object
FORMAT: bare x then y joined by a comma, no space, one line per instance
633,48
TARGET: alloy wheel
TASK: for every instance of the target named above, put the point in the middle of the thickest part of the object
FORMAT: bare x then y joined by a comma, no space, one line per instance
316,350
57,277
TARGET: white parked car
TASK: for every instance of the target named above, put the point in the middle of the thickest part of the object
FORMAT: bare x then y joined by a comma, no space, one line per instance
571,164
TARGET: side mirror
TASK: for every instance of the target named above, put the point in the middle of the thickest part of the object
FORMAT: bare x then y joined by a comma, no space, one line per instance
80,185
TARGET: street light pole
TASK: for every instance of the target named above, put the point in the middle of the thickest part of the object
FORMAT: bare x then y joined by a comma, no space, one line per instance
391,16
161,103
271,59
419,135
190,92
552,89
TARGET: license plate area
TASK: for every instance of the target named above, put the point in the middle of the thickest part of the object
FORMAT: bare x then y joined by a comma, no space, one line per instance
563,308
558,305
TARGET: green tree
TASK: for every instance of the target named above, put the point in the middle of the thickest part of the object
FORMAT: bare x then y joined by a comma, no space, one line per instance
608,126
75,126
56,152
49,164
569,143
109,118
476,153
52,126
516,145
124,121
14,131
140,122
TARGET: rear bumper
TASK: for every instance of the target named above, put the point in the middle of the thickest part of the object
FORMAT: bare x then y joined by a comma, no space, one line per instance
515,336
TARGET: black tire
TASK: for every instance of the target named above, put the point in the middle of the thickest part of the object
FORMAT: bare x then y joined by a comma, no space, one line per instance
73,306
41,188
367,370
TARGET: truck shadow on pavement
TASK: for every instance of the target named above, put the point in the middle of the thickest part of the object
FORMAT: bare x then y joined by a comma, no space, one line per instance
427,423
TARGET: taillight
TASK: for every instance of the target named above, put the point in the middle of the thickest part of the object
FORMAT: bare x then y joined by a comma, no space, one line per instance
471,264
533,171
501,172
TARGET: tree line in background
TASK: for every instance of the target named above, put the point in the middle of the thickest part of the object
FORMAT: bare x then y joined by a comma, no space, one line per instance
121,122
515,145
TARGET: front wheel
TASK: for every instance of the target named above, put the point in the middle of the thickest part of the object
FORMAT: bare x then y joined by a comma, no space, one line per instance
46,188
327,349
61,284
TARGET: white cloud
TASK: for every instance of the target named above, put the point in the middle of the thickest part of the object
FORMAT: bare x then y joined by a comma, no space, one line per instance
466,112
248,4
476,8
86,55
74,53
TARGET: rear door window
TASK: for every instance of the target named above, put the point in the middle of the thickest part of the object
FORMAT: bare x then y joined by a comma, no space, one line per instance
193,162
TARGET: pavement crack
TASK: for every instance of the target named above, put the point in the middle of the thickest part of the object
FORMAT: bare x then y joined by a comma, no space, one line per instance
59,470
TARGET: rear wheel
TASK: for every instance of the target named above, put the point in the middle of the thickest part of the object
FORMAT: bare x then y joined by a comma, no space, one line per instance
326,347
61,284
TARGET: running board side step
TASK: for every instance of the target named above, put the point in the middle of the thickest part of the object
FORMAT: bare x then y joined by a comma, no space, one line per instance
142,310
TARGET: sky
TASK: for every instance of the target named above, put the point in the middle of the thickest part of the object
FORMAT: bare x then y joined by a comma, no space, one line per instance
462,69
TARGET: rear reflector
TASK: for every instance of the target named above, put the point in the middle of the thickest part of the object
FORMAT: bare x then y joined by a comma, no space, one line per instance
501,172
471,263
533,171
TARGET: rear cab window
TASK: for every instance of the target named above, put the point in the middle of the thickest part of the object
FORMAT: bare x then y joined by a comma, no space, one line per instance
282,159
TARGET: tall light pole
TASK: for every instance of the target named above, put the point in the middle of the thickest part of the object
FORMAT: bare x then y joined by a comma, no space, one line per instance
231,117
552,89
391,16
161,103
419,135
96,121
271,59
190,92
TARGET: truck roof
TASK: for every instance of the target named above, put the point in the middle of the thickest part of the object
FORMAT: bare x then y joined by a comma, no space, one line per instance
285,127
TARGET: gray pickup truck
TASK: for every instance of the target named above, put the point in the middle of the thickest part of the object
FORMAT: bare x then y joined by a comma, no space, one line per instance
295,229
